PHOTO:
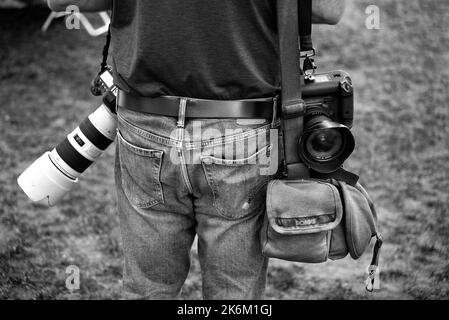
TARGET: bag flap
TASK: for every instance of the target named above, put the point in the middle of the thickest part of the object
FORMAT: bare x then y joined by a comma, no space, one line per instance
303,206
360,218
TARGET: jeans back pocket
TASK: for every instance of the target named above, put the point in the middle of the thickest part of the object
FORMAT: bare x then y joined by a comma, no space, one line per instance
238,186
140,171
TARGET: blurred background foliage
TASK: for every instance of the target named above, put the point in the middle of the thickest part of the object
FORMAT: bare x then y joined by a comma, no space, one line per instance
21,3
401,77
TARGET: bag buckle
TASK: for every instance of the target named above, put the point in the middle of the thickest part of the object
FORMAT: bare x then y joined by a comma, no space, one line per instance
307,53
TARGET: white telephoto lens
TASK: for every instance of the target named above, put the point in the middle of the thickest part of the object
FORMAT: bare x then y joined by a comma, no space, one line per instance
55,173
44,183
104,121
62,165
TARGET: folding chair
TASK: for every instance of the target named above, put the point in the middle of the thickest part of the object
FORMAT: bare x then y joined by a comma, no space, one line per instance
83,21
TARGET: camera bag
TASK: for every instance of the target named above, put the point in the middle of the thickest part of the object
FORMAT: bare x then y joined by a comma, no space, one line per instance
311,217
313,220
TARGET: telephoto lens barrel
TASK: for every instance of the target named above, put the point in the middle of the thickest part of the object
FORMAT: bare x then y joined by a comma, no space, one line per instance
87,142
55,173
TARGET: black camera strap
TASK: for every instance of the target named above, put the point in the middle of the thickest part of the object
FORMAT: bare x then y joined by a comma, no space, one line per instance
289,13
95,86
104,61
305,25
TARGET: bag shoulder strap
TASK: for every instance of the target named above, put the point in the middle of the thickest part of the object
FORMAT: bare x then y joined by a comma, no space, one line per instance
305,25
293,106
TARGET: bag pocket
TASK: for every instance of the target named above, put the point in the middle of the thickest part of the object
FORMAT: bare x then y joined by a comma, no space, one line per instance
140,171
301,217
360,218
311,221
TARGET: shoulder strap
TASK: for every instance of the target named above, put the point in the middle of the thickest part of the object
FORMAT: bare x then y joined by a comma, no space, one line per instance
293,106
104,61
305,25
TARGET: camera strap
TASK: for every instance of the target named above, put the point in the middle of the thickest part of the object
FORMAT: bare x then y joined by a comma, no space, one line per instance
104,61
95,86
289,13
305,25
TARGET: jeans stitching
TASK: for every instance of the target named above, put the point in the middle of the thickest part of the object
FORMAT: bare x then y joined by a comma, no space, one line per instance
195,144
211,181
144,204
225,139
237,162
146,134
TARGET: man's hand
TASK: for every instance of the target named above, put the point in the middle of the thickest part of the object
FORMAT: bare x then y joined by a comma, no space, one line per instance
83,5
327,11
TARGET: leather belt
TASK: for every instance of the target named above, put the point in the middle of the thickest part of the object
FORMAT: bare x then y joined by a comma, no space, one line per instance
200,108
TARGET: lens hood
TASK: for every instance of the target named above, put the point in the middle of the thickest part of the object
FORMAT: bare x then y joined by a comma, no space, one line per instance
333,162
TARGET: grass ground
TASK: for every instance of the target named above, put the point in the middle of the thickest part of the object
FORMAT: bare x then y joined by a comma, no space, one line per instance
401,75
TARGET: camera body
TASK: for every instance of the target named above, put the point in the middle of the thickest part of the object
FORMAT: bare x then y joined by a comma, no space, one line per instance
333,92
327,140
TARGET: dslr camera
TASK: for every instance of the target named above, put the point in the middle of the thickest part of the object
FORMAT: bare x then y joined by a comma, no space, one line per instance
327,140
55,173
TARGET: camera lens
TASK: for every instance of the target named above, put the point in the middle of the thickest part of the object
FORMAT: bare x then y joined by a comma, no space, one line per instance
324,144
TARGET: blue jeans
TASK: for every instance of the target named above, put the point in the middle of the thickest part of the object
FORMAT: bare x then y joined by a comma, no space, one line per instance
177,178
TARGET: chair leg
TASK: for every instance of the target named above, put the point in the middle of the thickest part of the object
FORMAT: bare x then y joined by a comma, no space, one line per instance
84,21
90,29
53,15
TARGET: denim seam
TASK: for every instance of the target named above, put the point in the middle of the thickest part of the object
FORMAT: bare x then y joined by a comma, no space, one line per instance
195,144
258,188
180,143
214,188
144,204
237,162
151,153
231,138
269,208
226,139
211,182
146,134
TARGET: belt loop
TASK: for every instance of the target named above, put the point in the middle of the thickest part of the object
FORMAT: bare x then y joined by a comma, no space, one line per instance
181,123
182,112
275,111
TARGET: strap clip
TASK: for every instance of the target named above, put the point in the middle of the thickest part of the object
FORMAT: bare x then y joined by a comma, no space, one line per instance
309,68
370,283
307,53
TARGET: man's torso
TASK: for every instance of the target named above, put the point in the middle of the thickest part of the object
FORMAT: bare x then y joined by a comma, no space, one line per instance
209,49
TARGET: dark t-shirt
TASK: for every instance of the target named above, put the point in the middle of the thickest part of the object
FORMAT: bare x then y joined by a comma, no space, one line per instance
209,49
